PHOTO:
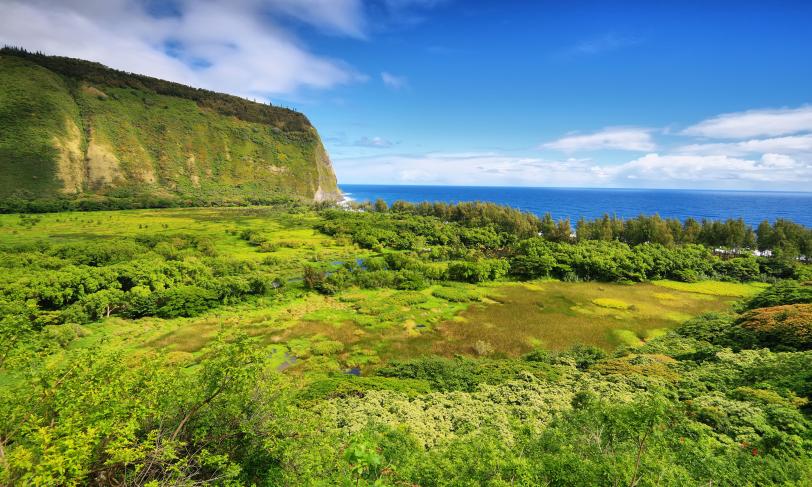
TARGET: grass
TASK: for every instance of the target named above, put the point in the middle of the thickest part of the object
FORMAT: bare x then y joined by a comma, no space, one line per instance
715,288
557,315
222,225
358,327
611,303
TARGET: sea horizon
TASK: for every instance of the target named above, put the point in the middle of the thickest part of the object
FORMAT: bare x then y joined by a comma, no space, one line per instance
597,188
753,206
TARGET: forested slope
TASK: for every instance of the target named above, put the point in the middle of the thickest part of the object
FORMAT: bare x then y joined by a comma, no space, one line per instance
76,130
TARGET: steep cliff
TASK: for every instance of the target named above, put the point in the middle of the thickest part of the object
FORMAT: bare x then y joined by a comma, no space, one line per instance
72,129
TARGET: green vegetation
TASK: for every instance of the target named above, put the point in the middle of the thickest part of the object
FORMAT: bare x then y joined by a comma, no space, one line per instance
715,288
784,238
77,135
291,345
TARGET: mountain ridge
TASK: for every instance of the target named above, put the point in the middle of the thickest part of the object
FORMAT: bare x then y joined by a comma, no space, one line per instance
76,130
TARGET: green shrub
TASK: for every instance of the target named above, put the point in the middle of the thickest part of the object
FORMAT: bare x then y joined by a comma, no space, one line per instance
327,347
782,292
408,298
456,294
184,301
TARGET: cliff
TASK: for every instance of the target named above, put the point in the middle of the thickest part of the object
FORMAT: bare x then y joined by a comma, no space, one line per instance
73,129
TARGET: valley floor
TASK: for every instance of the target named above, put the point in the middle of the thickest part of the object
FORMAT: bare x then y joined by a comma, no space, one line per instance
290,346
366,327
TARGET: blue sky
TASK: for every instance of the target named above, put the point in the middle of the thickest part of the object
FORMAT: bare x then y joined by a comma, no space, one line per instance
607,94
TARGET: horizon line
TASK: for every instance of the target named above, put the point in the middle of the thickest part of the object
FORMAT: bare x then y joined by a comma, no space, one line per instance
582,188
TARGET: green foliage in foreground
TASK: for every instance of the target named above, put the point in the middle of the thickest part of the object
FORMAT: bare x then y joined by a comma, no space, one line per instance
723,399
701,413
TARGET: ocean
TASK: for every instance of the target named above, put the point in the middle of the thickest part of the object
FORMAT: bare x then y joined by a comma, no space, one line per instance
752,206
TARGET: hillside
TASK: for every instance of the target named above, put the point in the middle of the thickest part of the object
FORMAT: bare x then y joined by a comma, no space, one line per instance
76,130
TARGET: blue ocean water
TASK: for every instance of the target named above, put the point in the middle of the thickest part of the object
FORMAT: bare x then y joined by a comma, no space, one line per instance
752,206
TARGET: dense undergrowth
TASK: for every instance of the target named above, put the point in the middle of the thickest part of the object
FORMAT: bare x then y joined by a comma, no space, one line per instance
95,391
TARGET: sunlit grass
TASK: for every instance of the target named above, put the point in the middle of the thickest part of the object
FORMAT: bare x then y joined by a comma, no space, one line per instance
611,303
372,325
557,315
715,288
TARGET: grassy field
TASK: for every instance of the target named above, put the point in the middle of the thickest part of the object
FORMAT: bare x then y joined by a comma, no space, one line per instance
716,288
298,241
516,318
360,328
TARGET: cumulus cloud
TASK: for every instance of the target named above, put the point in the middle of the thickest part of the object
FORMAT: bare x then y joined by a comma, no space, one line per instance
474,168
788,144
776,151
650,170
394,82
683,170
619,138
755,123
242,47
375,142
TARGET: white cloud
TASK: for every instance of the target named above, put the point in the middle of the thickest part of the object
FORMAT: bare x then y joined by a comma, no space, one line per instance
240,47
376,142
476,168
339,16
755,123
394,82
788,144
620,138
651,170
712,170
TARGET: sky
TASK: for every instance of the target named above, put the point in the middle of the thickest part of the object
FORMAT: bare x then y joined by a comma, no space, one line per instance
683,94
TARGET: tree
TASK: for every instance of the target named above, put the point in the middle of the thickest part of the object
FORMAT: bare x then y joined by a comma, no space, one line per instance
381,206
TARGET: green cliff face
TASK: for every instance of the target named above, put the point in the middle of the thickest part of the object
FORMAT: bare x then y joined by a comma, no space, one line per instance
75,129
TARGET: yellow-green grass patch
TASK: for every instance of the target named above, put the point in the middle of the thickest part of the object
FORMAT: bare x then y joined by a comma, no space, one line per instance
611,303
715,288
560,315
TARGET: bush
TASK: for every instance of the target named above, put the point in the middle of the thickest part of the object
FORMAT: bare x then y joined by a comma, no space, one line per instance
456,294
313,276
408,298
375,264
410,280
184,301
738,269
375,279
718,329
472,272
787,327
783,292
327,347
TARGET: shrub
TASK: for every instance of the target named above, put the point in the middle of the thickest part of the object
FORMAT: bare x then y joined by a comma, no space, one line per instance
787,327
410,280
375,264
483,348
408,298
783,292
327,347
184,301
375,279
456,294
313,276
718,329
